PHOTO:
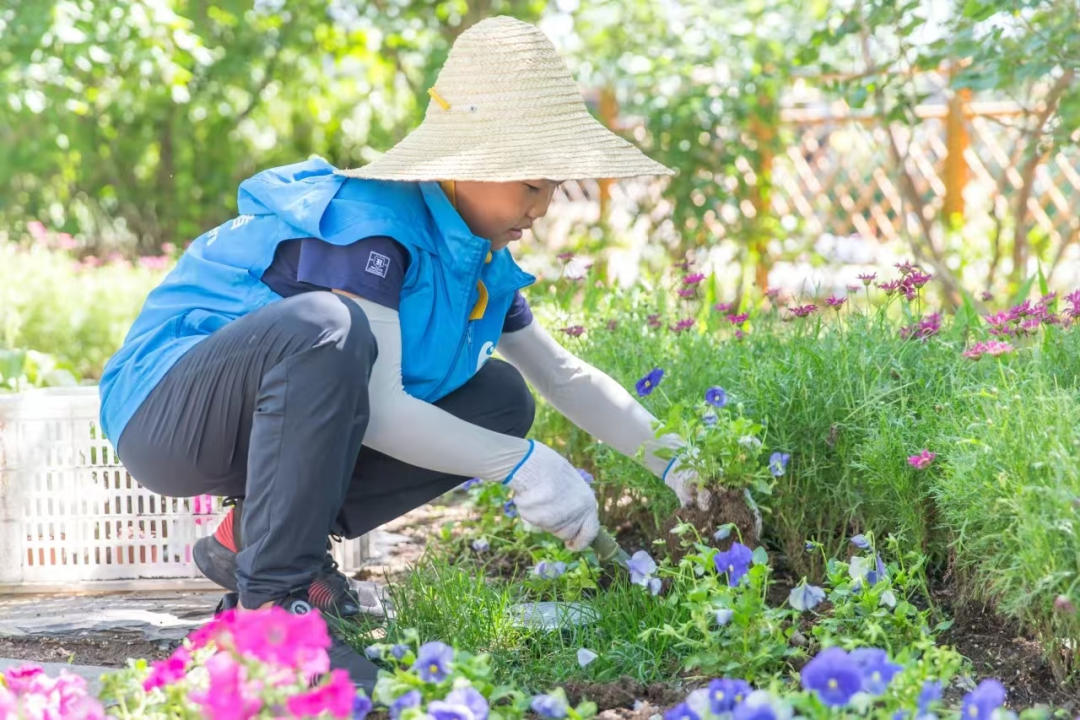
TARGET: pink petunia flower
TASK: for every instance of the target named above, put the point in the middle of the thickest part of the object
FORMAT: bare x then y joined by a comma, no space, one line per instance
228,697
335,698
922,460
168,671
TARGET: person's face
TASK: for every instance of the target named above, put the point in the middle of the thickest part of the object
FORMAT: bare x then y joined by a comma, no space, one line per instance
500,212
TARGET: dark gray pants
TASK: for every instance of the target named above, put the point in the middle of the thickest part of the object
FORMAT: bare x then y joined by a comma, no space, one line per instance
273,408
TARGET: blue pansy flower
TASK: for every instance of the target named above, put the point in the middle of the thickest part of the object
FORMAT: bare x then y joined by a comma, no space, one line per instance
805,597
760,705
510,509
433,661
361,706
833,675
980,703
470,698
861,542
550,707
682,711
726,693
716,396
735,562
877,670
408,700
778,463
647,384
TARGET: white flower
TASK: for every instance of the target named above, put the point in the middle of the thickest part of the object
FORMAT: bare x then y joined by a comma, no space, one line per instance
585,656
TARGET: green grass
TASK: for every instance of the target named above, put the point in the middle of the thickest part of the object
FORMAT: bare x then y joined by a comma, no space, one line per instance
851,400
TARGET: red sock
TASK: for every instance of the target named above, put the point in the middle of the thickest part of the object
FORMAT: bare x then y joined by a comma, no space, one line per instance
224,532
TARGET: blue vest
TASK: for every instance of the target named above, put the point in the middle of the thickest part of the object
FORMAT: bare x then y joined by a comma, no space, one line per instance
218,279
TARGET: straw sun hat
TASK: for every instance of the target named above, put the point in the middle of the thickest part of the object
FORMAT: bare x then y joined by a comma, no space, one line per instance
505,108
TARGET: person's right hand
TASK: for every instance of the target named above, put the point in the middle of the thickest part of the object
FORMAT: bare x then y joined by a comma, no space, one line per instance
550,494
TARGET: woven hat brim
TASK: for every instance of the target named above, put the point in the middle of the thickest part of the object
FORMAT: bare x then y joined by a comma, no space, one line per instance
571,147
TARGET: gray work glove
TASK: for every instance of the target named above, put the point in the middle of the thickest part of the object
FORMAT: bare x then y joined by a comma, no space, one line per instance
550,494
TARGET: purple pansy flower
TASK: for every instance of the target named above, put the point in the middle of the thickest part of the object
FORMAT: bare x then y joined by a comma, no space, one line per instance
723,616
408,700
470,698
734,562
716,396
549,570
759,705
726,693
778,463
647,384
361,706
433,661
585,475
877,670
980,703
399,650
833,675
510,509
550,707
641,566
931,692
682,711
805,597
861,542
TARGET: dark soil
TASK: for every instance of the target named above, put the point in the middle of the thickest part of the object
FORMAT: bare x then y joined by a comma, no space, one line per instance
997,648
104,652
619,698
725,506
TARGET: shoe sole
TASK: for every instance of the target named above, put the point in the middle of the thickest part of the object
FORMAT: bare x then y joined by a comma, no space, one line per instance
216,562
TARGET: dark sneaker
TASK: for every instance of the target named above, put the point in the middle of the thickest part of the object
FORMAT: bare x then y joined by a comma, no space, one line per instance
362,671
215,556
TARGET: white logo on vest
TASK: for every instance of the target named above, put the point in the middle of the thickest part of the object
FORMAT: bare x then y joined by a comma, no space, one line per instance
486,352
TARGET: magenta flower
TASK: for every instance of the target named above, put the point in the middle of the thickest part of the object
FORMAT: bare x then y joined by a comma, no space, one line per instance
772,292
693,279
334,698
835,302
573,330
868,278
994,348
986,296
889,287
802,311
922,460
738,319
687,293
853,288
724,307
229,695
168,671
566,256
739,335
906,267
683,325
684,265
653,321
918,279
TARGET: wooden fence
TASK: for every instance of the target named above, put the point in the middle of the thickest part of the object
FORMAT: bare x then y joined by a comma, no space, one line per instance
839,173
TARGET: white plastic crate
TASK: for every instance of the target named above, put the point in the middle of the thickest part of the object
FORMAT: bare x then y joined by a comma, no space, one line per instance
72,517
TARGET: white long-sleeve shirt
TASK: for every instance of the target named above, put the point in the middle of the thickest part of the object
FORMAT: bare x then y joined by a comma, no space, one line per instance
421,434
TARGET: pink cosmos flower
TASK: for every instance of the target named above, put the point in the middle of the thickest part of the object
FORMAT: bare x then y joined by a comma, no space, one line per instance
802,311
573,330
168,671
922,460
918,279
684,324
738,319
693,279
335,697
889,287
229,697
835,302
868,278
